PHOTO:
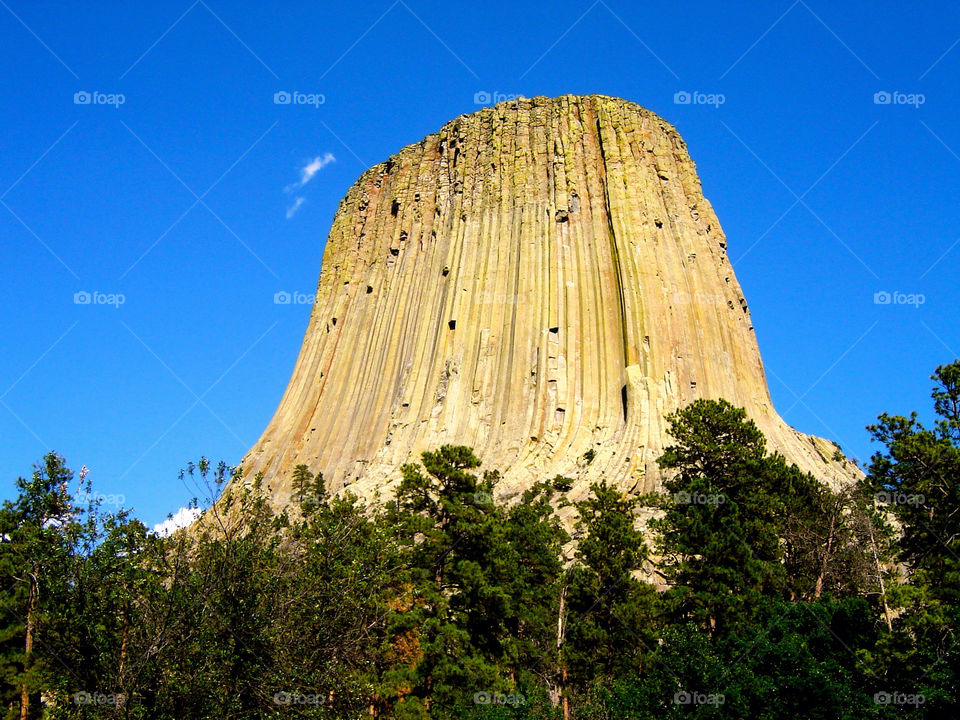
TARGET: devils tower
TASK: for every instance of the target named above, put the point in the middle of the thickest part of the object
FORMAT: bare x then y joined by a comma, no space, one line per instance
542,280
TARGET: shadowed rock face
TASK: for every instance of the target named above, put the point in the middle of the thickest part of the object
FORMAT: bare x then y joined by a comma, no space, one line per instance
536,280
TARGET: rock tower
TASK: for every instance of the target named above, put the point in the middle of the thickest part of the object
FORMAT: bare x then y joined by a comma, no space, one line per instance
542,280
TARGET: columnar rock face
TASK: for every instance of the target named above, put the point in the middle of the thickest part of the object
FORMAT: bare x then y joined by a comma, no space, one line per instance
542,280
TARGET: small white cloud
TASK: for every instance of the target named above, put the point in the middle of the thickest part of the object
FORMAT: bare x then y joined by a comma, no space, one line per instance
310,169
315,166
181,518
292,210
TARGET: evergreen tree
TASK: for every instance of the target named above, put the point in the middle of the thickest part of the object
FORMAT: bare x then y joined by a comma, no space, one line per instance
719,535
609,622
483,587
455,538
917,479
36,531
534,584
917,476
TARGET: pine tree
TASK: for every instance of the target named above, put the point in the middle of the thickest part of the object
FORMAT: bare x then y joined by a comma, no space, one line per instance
723,516
609,621
35,530
454,532
917,479
917,476
534,583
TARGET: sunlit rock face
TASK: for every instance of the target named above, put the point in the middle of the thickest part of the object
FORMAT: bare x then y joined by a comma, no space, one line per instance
537,280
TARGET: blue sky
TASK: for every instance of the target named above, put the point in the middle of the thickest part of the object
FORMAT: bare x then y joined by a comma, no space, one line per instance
187,200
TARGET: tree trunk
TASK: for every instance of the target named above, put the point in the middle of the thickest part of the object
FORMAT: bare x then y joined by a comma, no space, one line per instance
28,647
818,587
883,589
561,631
124,634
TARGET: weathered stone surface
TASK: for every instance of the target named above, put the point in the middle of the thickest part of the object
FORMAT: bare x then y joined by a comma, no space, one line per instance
536,280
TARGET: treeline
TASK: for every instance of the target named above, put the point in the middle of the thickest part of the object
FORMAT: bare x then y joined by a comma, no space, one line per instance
746,589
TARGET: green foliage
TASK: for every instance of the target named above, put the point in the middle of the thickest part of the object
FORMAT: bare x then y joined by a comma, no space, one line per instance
723,518
917,480
776,596
609,619
796,662
534,541
37,531
918,477
740,527
484,581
